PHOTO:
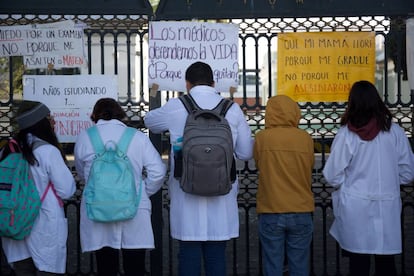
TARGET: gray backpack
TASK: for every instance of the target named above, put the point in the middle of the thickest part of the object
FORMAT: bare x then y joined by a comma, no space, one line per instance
207,150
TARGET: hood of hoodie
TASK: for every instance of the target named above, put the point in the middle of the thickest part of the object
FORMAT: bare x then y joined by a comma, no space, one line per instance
282,111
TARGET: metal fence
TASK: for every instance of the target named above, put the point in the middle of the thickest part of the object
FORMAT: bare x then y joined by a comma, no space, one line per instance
117,45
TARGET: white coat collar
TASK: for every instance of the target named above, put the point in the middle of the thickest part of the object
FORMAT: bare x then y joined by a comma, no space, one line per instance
110,122
203,89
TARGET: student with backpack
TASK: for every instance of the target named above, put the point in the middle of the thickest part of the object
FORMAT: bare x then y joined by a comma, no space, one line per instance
43,250
115,214
202,218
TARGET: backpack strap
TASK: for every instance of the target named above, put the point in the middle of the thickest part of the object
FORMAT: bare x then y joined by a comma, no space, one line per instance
96,140
189,103
50,186
126,138
224,106
98,145
14,146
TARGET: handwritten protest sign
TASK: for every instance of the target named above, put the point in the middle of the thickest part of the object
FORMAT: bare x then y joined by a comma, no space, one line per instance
323,66
57,45
61,47
173,46
70,99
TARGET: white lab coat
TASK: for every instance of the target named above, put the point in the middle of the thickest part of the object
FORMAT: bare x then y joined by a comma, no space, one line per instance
46,244
198,218
367,202
136,232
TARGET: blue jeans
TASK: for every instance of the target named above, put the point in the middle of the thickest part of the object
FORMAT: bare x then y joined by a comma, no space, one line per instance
191,253
292,231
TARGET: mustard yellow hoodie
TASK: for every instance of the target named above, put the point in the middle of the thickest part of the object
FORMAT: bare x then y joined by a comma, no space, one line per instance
284,156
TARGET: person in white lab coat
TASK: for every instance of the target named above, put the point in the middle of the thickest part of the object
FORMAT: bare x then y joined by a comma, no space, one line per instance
201,224
134,236
370,157
43,252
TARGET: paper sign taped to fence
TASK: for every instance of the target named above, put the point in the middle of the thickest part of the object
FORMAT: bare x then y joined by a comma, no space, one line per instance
173,46
13,40
70,99
57,45
62,48
322,66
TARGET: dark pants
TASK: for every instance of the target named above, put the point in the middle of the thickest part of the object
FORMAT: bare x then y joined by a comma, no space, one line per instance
360,264
133,261
26,267
213,253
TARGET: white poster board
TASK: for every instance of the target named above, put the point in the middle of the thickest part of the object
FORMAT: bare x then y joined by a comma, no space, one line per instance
55,45
13,40
70,99
173,46
410,51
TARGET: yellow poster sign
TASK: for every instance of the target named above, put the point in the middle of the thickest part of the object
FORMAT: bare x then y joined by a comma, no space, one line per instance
322,66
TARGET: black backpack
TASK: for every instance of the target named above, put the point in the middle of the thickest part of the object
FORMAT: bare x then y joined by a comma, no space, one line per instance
208,167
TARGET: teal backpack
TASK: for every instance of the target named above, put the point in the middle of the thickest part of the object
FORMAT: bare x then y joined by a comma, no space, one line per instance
110,193
19,199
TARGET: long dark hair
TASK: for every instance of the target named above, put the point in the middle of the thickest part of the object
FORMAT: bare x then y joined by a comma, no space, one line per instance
364,104
43,130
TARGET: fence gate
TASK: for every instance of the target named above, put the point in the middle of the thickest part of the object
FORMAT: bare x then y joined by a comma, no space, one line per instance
116,43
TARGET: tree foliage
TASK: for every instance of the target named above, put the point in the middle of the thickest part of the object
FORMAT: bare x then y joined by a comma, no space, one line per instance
15,64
